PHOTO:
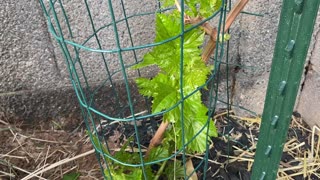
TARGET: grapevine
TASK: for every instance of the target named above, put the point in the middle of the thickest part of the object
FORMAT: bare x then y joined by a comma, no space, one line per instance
166,88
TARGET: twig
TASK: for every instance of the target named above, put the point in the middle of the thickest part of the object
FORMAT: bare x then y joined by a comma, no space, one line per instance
64,161
235,11
163,165
295,120
36,160
157,138
312,139
15,138
65,172
212,32
12,156
199,157
22,170
13,150
305,165
45,159
41,140
222,114
299,167
214,174
3,122
253,120
252,139
297,146
238,158
8,174
300,173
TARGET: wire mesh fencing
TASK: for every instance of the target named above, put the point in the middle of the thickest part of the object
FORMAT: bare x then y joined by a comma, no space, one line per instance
147,75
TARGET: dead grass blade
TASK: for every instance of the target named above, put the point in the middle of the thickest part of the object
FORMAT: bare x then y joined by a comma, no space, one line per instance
57,164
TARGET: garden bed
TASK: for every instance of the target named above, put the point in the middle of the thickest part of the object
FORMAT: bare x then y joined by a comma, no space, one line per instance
53,149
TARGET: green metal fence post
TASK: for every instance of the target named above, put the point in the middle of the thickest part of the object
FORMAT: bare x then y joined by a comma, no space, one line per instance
294,33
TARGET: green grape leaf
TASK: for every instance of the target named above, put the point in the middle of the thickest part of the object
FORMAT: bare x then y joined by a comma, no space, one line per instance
163,91
174,170
203,8
166,3
208,7
167,26
124,156
165,87
71,176
167,55
125,174
119,171
195,118
158,153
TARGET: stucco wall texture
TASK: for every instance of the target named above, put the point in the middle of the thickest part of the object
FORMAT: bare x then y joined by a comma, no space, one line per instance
34,81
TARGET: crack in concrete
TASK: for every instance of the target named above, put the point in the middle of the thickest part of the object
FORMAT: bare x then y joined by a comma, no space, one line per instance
237,67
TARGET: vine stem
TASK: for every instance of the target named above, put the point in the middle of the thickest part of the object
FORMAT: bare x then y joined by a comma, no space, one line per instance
157,138
211,45
163,165
177,5
211,31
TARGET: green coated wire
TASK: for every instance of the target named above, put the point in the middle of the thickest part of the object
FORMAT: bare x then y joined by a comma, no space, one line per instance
215,74
86,95
126,84
132,45
70,42
66,58
62,45
181,86
102,55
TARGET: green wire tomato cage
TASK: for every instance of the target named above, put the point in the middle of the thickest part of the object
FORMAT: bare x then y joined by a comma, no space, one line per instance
107,45
101,56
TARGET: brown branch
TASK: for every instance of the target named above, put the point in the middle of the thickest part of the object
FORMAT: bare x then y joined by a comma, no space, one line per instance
157,138
235,11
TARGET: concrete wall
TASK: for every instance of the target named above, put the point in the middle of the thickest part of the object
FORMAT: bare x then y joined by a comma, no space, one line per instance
29,72
256,43
309,100
34,81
